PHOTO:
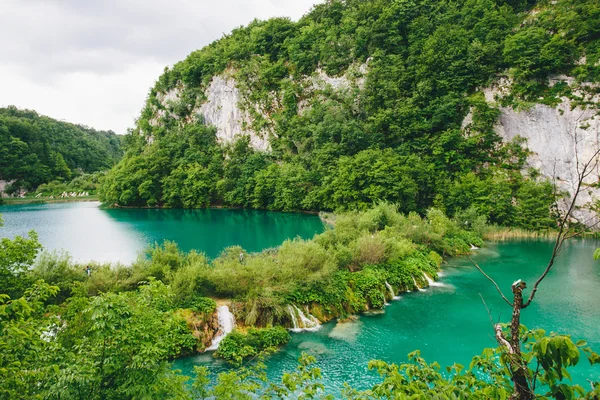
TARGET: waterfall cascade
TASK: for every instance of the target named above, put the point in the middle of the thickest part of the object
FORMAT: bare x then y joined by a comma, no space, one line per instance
391,290
226,325
416,285
431,282
301,321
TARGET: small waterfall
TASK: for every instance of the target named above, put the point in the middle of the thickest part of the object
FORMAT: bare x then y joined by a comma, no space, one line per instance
473,247
301,322
226,325
294,319
312,318
417,286
391,290
430,281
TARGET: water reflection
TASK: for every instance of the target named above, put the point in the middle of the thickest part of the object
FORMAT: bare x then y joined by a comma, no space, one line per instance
91,233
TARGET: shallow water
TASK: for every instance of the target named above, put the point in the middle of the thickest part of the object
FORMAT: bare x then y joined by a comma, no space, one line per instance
450,323
89,232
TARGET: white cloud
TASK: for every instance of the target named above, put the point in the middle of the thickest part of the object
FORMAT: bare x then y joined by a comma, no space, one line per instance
93,62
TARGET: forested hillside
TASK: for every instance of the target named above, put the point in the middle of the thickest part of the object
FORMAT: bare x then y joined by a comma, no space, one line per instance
361,101
35,149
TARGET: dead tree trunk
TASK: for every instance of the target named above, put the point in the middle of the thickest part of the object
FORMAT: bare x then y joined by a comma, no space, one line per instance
516,364
523,390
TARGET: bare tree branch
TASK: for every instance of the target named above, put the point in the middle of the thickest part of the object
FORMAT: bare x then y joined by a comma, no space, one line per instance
524,384
502,340
563,233
491,280
489,312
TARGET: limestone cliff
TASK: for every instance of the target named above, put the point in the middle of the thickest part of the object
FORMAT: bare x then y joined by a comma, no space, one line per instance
225,107
561,139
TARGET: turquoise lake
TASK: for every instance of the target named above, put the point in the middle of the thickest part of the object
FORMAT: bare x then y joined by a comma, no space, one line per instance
89,232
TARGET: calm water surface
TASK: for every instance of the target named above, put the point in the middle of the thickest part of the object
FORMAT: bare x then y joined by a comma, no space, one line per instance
89,232
450,323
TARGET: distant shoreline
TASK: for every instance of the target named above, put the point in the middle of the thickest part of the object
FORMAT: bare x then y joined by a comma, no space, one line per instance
8,201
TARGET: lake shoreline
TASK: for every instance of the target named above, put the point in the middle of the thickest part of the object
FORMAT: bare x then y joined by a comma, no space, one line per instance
212,207
11,201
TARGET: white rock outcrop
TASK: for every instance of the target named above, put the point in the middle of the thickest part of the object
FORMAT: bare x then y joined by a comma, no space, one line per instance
561,139
222,111
223,105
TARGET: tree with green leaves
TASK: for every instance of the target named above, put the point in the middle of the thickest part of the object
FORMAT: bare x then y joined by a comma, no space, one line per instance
16,257
35,149
26,345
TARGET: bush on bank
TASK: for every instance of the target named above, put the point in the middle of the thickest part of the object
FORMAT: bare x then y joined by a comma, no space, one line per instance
238,346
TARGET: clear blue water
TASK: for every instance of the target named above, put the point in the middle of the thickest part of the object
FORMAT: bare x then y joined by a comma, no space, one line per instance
91,233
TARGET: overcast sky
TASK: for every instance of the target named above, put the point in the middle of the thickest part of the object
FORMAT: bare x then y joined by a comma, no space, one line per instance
93,61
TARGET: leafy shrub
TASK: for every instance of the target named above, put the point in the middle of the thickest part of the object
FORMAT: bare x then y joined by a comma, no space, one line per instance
238,346
57,268
202,305
369,249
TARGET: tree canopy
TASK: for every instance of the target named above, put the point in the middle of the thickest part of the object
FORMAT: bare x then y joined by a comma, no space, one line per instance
35,149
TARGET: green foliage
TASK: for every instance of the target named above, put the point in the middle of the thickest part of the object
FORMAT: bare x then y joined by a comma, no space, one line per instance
16,257
202,305
57,269
35,149
503,198
305,381
238,346
24,358
485,377
341,271
561,37
115,346
181,173
85,183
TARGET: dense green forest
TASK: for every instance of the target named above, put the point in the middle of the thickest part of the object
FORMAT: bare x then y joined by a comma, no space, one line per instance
35,149
397,136
110,335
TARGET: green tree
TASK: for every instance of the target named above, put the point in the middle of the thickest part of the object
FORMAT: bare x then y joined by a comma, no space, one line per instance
35,149
25,343
16,257
116,346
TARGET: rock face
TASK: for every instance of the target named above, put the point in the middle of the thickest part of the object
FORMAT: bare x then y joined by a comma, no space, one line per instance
222,111
4,185
561,140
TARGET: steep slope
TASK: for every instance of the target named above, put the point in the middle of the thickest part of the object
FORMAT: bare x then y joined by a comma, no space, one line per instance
561,138
35,149
357,102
